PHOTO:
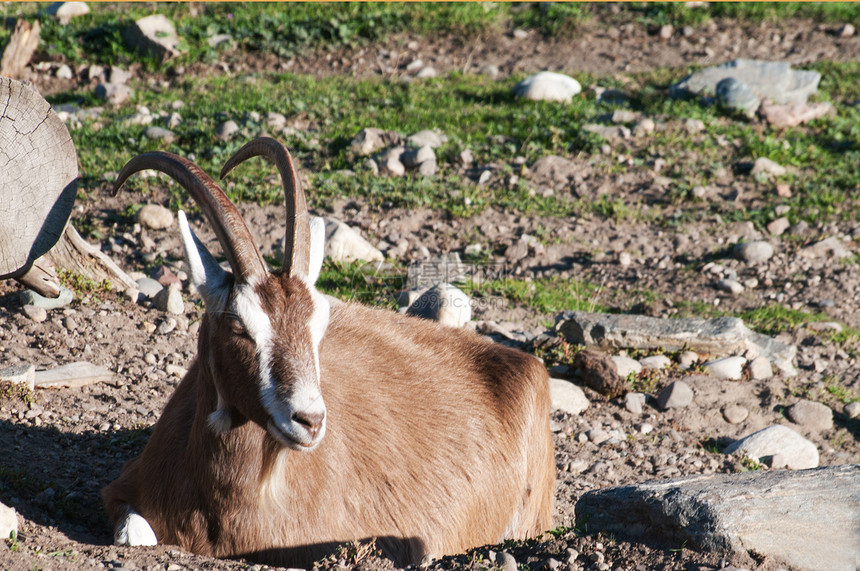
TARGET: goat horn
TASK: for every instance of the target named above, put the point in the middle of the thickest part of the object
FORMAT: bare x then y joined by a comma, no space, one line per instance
235,238
298,235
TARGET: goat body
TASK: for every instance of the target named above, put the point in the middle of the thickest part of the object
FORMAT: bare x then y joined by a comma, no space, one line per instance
436,440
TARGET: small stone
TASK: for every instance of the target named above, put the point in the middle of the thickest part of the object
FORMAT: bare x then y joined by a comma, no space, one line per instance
490,70
793,114
153,35
845,30
811,414
159,134
226,130
726,368
827,248
625,259
730,286
666,31
766,167
625,116
598,436
736,97
64,12
413,157
676,395
149,287
520,34
694,126
634,402
427,72
548,86
36,313
687,359
390,165
599,373
64,72
754,252
777,441
852,409
567,397
428,168
155,216
626,365
645,428
735,414
427,138
644,127
443,303
759,368
113,93
656,362
169,299
778,226
506,561
166,326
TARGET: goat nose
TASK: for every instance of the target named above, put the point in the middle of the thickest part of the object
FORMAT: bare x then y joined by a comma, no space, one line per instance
312,421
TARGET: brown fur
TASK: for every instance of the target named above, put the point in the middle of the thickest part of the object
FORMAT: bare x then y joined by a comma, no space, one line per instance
436,438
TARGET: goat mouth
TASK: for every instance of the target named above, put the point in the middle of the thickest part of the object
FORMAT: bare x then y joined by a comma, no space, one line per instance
289,439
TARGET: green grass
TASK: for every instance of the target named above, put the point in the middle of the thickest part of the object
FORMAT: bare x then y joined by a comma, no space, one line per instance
545,295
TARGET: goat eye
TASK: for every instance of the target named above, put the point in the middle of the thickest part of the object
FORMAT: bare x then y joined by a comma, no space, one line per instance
237,328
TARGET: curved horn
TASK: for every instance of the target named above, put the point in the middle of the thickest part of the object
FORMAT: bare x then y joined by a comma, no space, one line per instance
235,238
298,239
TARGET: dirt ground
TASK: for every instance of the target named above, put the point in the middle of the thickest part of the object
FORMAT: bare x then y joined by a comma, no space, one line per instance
58,451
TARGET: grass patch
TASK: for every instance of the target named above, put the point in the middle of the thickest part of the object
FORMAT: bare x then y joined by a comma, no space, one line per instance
545,295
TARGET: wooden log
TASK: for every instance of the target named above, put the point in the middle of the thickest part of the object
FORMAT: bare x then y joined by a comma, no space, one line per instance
22,46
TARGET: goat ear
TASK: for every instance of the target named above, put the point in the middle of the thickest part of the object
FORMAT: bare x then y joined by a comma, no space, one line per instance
207,275
317,252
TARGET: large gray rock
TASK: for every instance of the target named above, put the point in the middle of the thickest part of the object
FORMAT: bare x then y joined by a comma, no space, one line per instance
777,446
153,35
548,86
720,336
808,519
770,80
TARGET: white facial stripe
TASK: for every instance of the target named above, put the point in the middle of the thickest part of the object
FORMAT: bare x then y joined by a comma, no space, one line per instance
259,327
318,323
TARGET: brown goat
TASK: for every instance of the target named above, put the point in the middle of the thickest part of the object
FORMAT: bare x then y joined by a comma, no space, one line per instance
305,423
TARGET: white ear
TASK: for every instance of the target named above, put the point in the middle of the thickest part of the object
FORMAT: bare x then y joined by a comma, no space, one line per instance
317,248
207,276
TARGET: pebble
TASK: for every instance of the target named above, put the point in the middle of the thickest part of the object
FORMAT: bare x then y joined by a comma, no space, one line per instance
811,414
778,226
694,126
687,358
548,86
149,287
155,216
666,31
736,96
428,168
735,414
656,362
778,446
625,259
506,561
765,166
226,130
166,326
567,397
845,30
64,72
113,93
852,409
367,141
427,138
626,365
759,368
176,370
29,297
676,395
598,436
169,299
427,72
644,126
35,313
634,402
413,157
645,428
726,368
754,252
343,244
730,286
64,12
830,247
159,134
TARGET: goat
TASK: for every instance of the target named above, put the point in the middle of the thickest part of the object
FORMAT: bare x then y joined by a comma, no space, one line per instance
305,423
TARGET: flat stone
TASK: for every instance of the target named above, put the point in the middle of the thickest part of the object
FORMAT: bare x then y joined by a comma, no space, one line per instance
759,368
735,414
778,226
118,75
159,134
73,375
754,252
626,365
443,303
343,244
427,138
567,397
720,336
149,287
676,395
768,80
155,216
35,313
64,72
726,368
793,114
8,521
810,414
752,512
830,247
19,374
226,130
608,132
548,86
113,93
766,167
29,297
852,409
656,362
727,285
686,359
794,451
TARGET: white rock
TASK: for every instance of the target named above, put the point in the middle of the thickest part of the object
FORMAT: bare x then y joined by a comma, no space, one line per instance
113,93
367,141
65,11
676,395
754,252
155,216
443,303
413,157
765,166
118,75
428,168
567,397
37,313
687,358
548,86
64,72
169,299
426,72
730,286
148,287
626,365
759,368
852,409
811,414
793,450
727,367
427,138
343,244
634,402
8,521
656,362
226,130
23,374
154,35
